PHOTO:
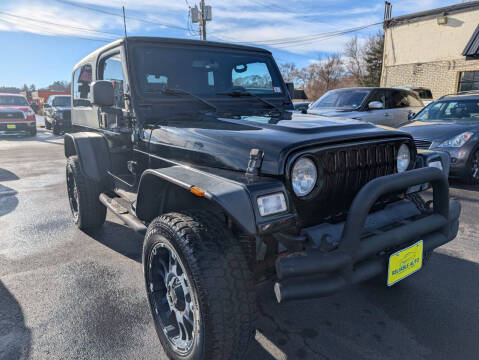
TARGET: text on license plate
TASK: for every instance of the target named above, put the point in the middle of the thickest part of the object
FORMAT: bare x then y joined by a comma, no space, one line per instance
11,126
405,262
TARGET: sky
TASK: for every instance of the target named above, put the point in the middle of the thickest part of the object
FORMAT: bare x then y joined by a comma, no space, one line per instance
41,40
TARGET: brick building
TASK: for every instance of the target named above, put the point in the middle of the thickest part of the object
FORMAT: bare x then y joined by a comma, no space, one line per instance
437,49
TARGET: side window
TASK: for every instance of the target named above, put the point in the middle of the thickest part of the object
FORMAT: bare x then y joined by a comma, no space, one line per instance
414,100
112,70
398,99
378,95
81,86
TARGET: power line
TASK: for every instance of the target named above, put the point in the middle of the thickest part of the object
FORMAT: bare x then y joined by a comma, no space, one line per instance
307,38
50,32
57,24
119,15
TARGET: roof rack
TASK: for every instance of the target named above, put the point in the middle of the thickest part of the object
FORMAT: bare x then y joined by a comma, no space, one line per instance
461,93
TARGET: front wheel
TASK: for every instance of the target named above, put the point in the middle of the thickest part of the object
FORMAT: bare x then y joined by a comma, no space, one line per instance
56,130
473,169
48,125
199,287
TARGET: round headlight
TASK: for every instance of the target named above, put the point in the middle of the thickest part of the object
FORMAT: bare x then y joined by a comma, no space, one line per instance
404,158
303,176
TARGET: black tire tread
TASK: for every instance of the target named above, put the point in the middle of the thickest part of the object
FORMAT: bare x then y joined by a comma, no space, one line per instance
92,213
222,278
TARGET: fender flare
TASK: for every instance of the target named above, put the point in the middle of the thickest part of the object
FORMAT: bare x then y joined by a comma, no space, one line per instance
92,151
233,198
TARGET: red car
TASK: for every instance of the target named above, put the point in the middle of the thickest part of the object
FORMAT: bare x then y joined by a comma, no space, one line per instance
16,115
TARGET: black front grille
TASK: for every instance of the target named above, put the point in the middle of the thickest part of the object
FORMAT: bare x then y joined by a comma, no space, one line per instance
12,115
67,114
422,144
343,171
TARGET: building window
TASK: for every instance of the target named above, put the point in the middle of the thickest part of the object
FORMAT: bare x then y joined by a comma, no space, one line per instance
469,80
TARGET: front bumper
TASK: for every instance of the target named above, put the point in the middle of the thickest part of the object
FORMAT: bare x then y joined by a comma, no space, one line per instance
361,254
19,127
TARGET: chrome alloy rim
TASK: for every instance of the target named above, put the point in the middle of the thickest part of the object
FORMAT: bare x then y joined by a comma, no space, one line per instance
172,298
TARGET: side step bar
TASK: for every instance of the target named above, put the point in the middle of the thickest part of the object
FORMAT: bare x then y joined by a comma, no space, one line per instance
124,216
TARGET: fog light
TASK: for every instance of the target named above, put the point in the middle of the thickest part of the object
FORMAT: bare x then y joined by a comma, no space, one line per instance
272,204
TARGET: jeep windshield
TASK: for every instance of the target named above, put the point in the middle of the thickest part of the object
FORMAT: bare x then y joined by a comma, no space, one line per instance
62,101
205,72
450,110
348,99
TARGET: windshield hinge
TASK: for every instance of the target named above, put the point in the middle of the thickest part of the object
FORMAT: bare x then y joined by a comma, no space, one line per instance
255,161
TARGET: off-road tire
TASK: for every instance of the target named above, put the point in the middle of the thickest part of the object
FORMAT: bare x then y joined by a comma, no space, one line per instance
33,132
91,212
55,130
48,125
223,284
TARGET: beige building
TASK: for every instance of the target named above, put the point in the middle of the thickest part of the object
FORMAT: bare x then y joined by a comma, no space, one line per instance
436,49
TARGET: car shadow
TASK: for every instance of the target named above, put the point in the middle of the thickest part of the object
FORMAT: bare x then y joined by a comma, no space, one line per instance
460,185
8,200
369,321
15,336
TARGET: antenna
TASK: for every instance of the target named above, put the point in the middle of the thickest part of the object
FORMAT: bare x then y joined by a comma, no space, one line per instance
126,40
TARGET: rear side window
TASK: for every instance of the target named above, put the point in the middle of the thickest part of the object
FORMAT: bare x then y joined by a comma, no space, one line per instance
112,70
402,98
82,79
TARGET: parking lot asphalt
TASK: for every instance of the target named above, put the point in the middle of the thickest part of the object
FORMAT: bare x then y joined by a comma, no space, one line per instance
65,294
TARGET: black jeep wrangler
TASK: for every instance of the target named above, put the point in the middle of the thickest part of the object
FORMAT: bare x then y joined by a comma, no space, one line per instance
195,144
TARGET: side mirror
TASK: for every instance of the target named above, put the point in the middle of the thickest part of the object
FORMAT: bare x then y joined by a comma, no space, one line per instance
290,87
375,105
411,115
304,111
102,93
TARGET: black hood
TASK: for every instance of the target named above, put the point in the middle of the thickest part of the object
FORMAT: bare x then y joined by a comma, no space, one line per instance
438,131
226,142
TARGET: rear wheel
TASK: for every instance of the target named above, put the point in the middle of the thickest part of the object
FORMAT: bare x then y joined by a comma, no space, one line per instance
199,287
56,130
473,169
83,194
48,125
33,132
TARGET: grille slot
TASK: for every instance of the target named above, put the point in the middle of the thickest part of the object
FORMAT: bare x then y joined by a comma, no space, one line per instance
422,144
12,115
343,171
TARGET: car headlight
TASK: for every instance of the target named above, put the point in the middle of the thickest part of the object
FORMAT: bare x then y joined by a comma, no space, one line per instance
271,204
403,158
304,176
458,141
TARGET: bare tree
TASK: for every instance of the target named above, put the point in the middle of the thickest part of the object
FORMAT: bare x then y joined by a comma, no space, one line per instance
354,62
324,75
289,71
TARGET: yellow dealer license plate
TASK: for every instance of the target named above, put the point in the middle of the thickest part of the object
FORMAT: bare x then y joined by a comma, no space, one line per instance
11,126
405,262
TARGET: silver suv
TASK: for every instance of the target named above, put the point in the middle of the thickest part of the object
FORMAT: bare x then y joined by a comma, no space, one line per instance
381,106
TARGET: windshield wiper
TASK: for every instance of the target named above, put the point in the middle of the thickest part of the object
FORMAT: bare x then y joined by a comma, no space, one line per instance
247,93
169,91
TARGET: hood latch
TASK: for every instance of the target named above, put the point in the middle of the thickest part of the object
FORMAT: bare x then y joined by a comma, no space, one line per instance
255,161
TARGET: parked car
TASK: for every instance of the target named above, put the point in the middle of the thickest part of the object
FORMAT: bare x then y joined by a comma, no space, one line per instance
202,152
380,106
424,94
16,116
57,112
301,106
451,124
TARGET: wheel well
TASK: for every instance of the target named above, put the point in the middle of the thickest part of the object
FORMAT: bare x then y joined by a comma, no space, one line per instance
158,196
70,149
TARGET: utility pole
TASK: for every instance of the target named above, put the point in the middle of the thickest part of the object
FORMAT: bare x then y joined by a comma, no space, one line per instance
201,16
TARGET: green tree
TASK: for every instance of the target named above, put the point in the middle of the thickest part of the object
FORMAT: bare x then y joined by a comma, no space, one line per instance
373,58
